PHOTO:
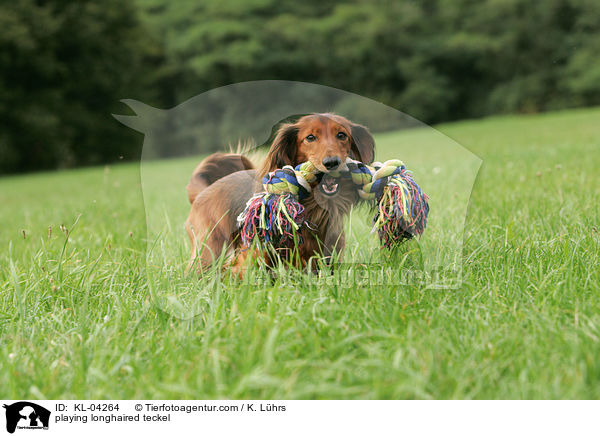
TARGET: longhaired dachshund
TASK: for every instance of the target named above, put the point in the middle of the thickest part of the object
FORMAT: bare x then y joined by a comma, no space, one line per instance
223,183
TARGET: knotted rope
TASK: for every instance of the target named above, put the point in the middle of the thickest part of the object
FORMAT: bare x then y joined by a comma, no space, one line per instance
275,215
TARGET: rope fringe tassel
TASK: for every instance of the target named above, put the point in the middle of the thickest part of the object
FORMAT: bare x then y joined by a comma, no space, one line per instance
275,215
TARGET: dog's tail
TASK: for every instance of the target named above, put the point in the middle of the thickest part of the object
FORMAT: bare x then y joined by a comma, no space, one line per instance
214,167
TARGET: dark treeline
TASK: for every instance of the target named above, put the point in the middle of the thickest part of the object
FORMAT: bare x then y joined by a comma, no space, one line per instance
65,65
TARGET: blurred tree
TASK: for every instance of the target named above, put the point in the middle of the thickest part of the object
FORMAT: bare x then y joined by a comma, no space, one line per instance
63,68
434,59
64,65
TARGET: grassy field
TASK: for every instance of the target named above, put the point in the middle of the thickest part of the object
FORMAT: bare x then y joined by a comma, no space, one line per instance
77,319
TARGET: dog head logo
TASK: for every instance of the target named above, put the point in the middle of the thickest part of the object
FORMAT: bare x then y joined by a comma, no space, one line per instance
26,415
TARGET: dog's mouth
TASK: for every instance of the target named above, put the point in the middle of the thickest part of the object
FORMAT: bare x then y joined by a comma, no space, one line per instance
329,185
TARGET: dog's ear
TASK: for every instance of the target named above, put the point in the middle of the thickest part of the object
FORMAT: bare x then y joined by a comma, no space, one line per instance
363,144
283,149
292,119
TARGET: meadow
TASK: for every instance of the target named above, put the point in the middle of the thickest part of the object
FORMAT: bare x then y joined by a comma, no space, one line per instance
80,319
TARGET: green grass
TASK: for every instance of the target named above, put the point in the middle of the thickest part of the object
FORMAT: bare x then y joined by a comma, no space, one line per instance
77,319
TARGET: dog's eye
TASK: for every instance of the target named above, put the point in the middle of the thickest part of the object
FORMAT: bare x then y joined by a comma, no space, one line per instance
341,135
311,138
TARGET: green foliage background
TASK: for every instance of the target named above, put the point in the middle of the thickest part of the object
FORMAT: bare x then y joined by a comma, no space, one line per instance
64,65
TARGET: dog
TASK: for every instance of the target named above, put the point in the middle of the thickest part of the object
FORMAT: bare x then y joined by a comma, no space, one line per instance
223,183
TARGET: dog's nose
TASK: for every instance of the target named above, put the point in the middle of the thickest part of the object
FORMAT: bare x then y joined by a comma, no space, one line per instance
331,162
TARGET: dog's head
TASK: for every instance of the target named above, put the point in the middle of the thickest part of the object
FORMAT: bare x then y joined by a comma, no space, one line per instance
326,140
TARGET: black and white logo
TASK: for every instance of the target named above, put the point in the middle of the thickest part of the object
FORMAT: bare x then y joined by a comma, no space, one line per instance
26,415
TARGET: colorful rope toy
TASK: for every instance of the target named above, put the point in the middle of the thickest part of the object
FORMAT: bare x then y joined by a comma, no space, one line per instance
275,215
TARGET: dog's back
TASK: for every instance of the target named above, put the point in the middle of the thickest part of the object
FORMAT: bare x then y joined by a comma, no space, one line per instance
215,167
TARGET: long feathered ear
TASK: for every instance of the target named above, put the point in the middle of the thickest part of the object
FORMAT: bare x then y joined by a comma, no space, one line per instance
363,144
283,149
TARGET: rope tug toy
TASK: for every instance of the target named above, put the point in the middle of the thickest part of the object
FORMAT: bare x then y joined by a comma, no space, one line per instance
275,215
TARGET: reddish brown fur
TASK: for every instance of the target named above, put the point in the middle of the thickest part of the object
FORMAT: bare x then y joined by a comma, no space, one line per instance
212,221
214,167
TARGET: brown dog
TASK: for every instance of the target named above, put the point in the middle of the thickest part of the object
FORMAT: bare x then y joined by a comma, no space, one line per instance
324,139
